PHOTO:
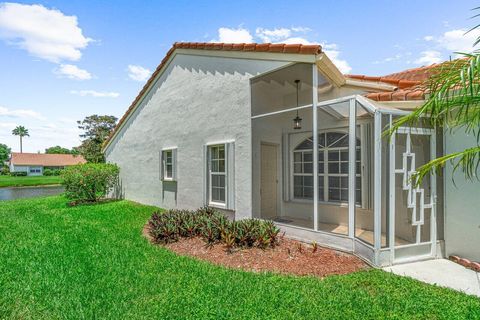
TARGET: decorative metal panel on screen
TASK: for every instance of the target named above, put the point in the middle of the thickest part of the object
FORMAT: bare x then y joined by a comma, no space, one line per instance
408,170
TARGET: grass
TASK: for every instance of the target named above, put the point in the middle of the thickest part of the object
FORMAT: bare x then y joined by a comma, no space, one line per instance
9,181
92,262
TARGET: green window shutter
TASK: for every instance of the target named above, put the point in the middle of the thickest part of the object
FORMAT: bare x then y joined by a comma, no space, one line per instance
162,165
205,175
230,170
174,164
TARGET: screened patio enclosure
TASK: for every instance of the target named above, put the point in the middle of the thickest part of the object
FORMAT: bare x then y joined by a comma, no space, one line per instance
333,177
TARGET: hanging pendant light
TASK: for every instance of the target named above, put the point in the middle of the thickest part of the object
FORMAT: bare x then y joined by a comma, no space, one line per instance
297,122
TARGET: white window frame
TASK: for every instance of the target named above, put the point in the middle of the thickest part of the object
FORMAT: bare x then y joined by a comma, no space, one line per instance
229,173
217,173
164,164
325,174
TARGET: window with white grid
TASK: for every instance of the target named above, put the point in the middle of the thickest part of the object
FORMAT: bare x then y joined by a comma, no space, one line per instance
332,168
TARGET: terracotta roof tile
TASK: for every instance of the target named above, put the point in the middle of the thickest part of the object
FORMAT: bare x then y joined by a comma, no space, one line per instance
400,83
415,93
277,47
264,47
410,84
49,160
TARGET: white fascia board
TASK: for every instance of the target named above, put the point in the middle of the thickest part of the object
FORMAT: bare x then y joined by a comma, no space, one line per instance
369,85
329,70
402,105
253,55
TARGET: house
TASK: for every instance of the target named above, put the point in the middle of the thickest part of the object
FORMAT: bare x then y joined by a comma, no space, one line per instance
35,163
276,131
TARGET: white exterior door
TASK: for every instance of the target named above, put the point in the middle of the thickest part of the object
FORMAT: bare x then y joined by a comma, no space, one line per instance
269,180
413,206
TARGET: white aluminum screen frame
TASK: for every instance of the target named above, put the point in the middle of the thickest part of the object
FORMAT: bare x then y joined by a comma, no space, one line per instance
377,112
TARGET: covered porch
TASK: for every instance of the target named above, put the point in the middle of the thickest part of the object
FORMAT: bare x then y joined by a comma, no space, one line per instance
322,168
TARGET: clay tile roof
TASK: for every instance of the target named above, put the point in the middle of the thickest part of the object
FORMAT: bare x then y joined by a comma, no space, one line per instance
251,47
410,84
48,160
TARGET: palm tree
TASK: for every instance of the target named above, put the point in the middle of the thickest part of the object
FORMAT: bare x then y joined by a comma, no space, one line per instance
20,131
453,103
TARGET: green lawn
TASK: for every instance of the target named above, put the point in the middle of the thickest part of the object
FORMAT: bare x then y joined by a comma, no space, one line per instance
92,262
9,181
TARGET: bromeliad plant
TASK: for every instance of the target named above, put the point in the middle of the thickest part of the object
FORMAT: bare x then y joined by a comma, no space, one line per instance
213,227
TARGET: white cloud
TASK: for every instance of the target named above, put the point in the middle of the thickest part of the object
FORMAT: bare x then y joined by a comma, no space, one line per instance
20,113
452,41
459,40
42,32
231,35
273,35
429,57
8,125
72,72
341,64
293,35
295,40
42,135
301,29
96,94
395,57
138,73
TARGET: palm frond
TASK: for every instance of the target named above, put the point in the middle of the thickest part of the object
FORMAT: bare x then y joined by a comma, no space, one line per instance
467,160
453,101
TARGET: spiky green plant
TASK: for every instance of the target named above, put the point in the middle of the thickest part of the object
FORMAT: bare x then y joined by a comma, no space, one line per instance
453,103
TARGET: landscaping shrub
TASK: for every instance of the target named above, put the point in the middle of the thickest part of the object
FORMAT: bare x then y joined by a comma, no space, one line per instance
5,171
52,172
213,227
18,174
89,182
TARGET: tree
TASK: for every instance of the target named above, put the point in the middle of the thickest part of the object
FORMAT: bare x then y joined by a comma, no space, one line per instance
4,153
60,150
453,103
20,131
96,130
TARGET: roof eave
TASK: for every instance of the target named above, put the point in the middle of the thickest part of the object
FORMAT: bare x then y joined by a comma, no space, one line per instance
329,70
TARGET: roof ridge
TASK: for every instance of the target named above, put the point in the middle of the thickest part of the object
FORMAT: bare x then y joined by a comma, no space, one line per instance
253,46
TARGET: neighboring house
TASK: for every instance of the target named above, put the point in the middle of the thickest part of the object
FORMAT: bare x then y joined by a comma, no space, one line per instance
35,163
276,131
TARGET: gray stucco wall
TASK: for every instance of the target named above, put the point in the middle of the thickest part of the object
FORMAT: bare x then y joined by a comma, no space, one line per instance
462,204
198,100
17,168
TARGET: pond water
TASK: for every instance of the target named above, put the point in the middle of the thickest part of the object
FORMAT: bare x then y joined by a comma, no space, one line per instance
29,192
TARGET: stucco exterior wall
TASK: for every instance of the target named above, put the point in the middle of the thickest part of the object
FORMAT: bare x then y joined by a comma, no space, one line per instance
15,168
198,100
462,204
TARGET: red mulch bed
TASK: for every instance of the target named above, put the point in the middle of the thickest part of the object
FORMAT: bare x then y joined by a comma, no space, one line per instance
288,257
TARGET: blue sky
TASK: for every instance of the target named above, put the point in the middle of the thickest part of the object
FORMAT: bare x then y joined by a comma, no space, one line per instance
63,60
